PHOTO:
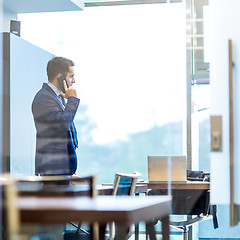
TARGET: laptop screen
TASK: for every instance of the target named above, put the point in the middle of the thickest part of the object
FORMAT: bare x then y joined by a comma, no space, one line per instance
167,168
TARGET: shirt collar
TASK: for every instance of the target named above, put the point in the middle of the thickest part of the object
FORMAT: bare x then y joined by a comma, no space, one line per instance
55,89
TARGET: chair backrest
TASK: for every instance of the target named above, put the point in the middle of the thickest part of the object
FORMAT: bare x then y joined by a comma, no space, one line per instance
90,181
125,183
57,186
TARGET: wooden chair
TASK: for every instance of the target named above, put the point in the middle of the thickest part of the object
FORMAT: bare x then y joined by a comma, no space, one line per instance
124,184
9,212
61,186
56,186
92,233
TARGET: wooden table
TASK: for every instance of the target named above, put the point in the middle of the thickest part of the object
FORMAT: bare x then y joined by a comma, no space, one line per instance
123,210
189,185
71,190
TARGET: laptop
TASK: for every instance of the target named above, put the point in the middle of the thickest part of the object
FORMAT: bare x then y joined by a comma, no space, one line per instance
158,168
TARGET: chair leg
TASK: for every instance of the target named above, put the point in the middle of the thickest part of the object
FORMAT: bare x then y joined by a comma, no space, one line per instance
165,228
150,230
121,232
78,228
146,232
185,233
136,231
102,231
112,230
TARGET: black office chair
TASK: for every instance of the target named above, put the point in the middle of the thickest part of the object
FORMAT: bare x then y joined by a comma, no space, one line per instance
124,184
197,209
195,205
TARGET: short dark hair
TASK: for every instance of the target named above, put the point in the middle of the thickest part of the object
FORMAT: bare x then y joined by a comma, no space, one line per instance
58,65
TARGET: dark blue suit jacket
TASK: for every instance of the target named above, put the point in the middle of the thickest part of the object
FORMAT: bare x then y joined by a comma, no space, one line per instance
56,133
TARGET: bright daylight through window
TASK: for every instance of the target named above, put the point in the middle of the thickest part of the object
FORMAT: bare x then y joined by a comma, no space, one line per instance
130,64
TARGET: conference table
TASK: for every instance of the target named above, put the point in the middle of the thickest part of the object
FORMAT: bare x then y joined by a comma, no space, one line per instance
123,210
71,190
188,185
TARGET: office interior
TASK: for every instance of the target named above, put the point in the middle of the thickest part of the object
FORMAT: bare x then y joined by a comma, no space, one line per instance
153,77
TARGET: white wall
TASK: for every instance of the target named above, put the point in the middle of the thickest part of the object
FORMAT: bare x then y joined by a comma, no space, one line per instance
225,20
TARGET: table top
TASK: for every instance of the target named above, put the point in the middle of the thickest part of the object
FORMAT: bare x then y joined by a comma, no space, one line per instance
189,185
106,189
102,209
61,190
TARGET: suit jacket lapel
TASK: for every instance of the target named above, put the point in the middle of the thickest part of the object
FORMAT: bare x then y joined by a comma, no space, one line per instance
54,95
60,104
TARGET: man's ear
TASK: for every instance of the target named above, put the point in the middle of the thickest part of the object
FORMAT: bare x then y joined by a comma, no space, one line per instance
59,75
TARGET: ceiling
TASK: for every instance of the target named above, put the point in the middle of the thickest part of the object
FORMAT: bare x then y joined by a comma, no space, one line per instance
32,6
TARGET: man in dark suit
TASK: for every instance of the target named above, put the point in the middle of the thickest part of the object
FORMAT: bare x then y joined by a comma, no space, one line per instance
53,113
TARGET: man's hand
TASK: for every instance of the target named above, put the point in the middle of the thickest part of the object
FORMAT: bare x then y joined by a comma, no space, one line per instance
69,91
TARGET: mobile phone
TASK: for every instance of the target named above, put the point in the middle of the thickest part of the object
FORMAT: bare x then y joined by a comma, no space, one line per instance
60,82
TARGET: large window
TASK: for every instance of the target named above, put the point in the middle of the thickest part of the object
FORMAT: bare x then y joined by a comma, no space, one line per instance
130,76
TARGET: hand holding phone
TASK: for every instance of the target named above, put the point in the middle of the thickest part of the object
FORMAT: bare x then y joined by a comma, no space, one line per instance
60,82
67,91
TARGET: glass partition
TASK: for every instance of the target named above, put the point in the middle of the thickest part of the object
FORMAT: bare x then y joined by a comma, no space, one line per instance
130,77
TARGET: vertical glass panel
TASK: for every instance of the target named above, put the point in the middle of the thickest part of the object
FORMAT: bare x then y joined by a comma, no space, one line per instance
1,96
201,127
1,75
130,75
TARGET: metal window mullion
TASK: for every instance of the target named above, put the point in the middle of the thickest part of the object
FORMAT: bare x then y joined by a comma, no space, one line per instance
128,2
189,71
